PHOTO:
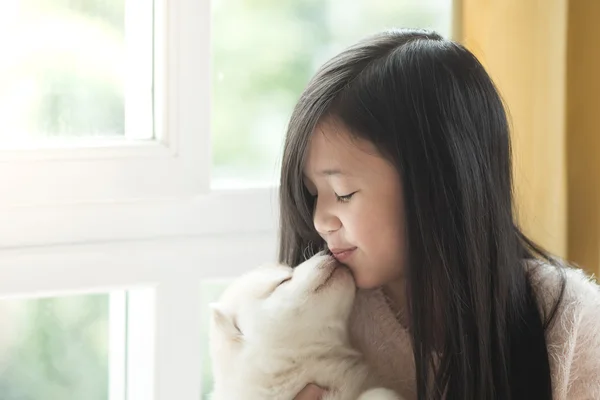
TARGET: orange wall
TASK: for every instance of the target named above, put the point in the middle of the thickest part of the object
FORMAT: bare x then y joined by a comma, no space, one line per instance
583,128
523,45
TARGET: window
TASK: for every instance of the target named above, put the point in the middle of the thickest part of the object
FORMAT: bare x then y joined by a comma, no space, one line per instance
265,52
73,71
138,162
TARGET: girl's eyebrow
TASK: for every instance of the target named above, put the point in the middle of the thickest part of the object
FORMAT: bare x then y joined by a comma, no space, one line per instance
329,172
334,171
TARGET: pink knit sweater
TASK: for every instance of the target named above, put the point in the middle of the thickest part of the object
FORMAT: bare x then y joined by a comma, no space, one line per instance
573,339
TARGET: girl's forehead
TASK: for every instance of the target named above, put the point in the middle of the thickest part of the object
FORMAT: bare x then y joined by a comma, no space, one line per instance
335,151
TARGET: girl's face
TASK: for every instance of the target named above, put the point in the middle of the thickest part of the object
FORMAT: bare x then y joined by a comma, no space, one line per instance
359,208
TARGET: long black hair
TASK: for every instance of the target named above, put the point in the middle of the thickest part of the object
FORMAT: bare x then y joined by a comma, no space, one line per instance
431,109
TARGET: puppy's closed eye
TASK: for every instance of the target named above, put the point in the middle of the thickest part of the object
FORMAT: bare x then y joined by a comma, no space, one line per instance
277,285
284,281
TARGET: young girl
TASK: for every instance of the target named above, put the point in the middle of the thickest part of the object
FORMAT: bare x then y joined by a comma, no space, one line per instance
398,160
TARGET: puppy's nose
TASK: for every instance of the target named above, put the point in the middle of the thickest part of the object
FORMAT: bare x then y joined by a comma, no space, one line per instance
328,263
323,253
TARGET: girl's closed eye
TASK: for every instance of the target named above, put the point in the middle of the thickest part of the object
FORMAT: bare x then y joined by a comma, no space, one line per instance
340,198
345,198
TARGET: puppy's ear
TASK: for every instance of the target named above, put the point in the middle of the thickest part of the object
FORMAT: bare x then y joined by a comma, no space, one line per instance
225,322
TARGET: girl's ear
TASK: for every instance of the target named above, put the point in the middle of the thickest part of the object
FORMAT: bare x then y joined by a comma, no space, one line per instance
225,321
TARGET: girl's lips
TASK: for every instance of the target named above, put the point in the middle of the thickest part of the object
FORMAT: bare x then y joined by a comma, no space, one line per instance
342,254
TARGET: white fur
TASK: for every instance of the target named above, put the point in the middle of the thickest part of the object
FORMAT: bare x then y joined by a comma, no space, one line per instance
268,340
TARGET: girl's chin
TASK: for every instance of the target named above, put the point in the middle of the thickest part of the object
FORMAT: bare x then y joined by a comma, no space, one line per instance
365,282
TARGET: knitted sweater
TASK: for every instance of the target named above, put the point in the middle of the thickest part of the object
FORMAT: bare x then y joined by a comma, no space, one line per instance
573,339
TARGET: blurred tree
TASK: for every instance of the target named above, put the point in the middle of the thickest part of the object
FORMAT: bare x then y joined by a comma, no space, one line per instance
62,353
68,68
110,12
264,53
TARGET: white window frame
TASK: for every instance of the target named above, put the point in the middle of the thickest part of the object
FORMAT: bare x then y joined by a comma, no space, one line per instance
138,215
174,165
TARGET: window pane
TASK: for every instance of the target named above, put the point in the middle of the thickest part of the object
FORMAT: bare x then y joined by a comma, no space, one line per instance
55,348
211,291
74,70
264,53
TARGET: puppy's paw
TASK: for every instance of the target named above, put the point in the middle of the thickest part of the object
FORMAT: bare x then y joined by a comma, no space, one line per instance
379,394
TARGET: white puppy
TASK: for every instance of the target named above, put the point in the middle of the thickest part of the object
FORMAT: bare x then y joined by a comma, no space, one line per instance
276,329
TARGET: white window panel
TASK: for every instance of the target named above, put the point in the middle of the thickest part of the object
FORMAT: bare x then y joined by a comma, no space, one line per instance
164,276
128,189
175,164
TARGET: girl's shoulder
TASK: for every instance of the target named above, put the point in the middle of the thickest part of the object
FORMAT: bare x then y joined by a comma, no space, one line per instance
579,289
573,336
